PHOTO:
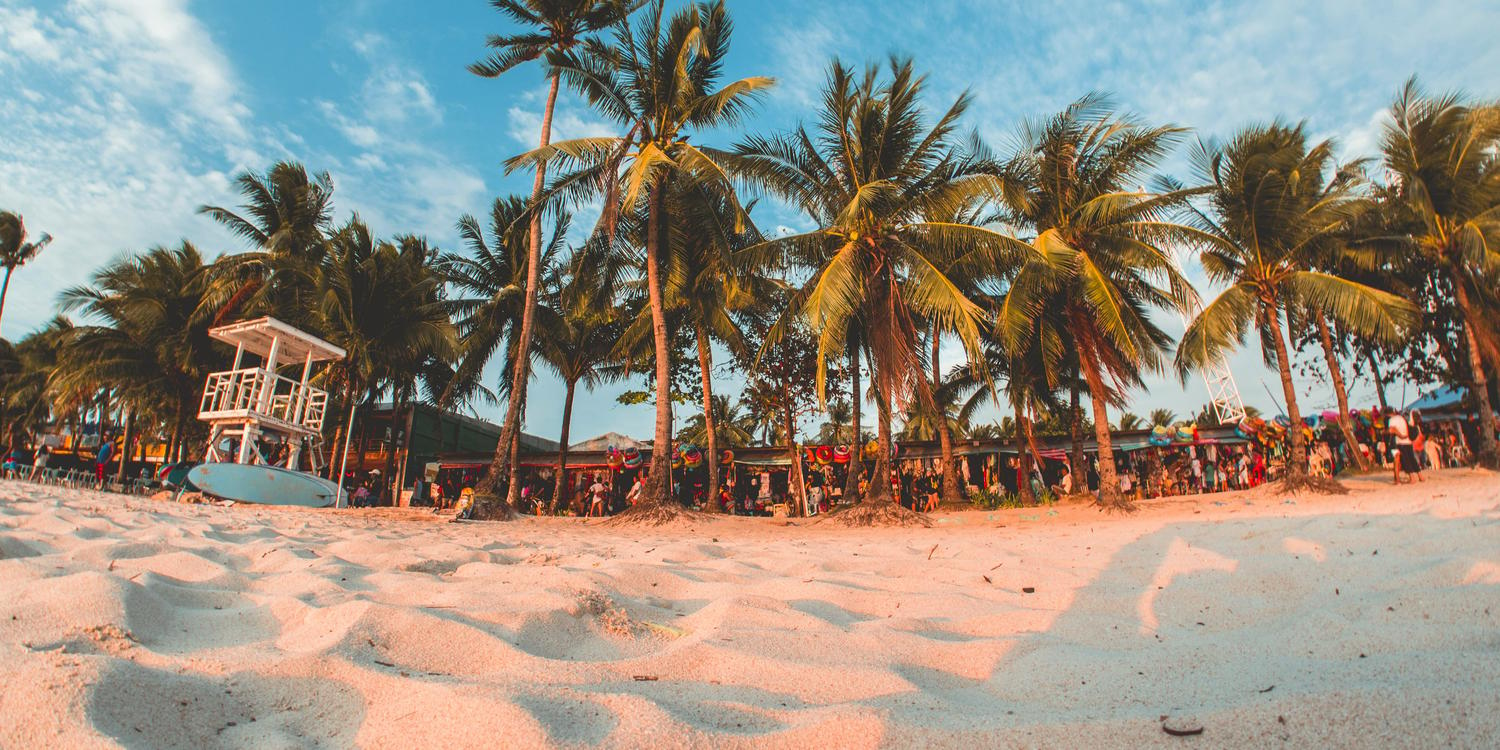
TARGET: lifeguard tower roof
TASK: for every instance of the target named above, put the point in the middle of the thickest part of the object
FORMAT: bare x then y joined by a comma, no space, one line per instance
295,345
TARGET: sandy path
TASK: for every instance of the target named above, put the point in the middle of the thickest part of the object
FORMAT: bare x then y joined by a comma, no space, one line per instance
1366,620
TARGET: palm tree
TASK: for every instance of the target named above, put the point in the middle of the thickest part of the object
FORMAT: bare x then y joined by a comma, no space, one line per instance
1275,203
732,425
706,288
286,217
554,26
15,251
1073,180
1445,194
839,428
382,303
1162,417
873,181
489,284
145,335
26,392
660,82
1129,422
579,344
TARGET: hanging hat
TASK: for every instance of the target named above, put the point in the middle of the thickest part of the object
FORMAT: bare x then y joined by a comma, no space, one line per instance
825,454
841,454
691,456
631,457
726,458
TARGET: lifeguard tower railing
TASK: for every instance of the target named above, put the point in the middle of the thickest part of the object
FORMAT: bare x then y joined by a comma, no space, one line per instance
259,393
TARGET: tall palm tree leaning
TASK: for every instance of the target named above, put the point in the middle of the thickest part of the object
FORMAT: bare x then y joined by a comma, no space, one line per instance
659,82
872,181
1073,180
1442,153
15,251
555,26
1275,203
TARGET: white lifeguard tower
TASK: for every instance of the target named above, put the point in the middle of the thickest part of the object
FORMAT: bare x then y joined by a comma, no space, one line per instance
250,402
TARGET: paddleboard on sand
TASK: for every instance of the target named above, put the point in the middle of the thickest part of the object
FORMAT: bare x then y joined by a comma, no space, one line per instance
263,485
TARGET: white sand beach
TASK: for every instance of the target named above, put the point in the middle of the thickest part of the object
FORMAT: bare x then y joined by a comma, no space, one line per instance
1369,620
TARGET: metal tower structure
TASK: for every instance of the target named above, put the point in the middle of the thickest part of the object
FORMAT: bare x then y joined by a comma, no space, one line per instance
1223,392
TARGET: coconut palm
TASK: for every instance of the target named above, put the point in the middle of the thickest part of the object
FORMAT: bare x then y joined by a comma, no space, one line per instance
144,335
1441,152
578,342
659,81
382,303
286,217
730,422
1130,422
489,291
15,251
875,181
1276,202
1162,417
552,26
1073,180
26,395
704,288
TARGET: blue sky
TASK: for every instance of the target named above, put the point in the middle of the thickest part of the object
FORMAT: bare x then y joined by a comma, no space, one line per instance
119,117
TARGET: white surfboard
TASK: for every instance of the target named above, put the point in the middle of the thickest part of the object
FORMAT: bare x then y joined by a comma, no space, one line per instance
263,485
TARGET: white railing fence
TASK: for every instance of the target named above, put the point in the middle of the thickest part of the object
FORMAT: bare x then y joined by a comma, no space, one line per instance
261,392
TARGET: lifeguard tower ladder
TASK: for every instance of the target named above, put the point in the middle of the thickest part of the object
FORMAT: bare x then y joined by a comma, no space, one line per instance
251,402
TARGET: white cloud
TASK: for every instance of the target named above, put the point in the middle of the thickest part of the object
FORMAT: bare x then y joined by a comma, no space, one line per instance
111,145
524,125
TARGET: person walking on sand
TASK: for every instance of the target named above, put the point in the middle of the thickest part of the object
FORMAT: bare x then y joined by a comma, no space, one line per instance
101,459
597,493
39,461
1406,455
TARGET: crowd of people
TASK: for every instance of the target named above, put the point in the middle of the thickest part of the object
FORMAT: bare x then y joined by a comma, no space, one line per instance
1404,444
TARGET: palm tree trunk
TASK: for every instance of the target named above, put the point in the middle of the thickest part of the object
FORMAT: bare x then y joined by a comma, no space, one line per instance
1075,434
1109,484
1336,375
1379,383
795,487
1479,333
506,451
560,480
1296,460
4,288
124,445
658,490
945,434
856,466
880,478
1489,454
705,369
1023,457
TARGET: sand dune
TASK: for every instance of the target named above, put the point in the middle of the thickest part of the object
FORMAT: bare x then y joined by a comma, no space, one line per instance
1366,620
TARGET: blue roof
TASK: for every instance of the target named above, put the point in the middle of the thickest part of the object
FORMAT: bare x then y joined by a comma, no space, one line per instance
1441,397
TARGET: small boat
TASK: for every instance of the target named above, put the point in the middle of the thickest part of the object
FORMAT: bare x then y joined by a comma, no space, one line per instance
261,484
